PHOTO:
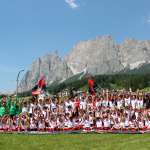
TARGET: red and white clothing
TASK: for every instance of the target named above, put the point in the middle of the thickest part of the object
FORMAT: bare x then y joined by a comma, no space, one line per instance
99,123
106,123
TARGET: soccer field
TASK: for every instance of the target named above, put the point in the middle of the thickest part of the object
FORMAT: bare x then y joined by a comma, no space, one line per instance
75,142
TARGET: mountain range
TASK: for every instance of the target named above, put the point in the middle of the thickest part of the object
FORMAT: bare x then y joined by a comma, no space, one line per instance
101,55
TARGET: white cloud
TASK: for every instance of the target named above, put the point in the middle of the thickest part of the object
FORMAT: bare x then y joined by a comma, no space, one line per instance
148,19
72,3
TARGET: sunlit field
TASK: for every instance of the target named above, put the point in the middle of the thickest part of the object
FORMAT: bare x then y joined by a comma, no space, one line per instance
75,142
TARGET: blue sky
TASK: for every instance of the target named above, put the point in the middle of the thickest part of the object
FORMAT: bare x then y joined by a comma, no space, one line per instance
32,28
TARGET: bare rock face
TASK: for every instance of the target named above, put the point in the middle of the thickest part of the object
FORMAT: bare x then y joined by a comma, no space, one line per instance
134,53
51,65
99,56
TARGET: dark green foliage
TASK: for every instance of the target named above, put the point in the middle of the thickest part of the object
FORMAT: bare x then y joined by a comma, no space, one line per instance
126,81
118,81
1,96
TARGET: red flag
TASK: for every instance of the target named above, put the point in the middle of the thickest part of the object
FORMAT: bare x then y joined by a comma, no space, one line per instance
91,83
91,86
42,82
40,86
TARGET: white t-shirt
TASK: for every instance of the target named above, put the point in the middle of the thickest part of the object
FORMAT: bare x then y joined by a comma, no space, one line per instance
139,104
141,124
67,104
147,123
68,124
53,124
41,125
98,104
87,124
132,125
32,125
126,123
133,103
106,123
99,124
40,106
53,106
31,108
119,104
136,114
116,126
44,114
105,103
24,109
111,105
127,101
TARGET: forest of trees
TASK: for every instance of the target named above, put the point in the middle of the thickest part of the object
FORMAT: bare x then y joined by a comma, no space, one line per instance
108,81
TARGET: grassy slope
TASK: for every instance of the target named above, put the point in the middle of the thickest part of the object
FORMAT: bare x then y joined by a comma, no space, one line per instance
75,142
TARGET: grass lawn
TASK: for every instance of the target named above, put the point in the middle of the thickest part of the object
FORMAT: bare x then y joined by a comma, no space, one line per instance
75,142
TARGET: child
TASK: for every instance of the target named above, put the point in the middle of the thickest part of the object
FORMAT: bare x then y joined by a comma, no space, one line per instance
99,123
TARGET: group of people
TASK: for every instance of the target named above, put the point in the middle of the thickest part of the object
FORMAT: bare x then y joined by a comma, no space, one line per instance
104,110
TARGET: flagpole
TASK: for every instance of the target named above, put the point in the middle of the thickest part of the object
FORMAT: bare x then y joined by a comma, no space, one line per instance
18,81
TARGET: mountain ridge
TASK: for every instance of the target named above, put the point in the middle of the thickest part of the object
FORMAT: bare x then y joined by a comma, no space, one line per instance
101,55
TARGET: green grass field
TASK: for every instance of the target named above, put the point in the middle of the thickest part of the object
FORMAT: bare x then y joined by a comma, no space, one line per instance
75,142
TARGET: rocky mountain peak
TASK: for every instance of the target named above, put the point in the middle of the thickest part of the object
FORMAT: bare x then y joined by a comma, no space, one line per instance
101,55
50,65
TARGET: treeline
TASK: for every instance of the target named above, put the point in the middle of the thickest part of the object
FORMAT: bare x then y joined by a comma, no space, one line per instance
117,81
126,81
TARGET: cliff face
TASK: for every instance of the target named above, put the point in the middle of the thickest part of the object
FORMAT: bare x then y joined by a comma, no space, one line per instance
134,53
52,66
99,56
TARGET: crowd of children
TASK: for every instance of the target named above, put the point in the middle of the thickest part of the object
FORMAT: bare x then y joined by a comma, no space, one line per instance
105,110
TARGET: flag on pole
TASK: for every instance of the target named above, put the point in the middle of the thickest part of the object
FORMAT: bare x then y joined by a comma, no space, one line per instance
40,86
42,83
91,83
